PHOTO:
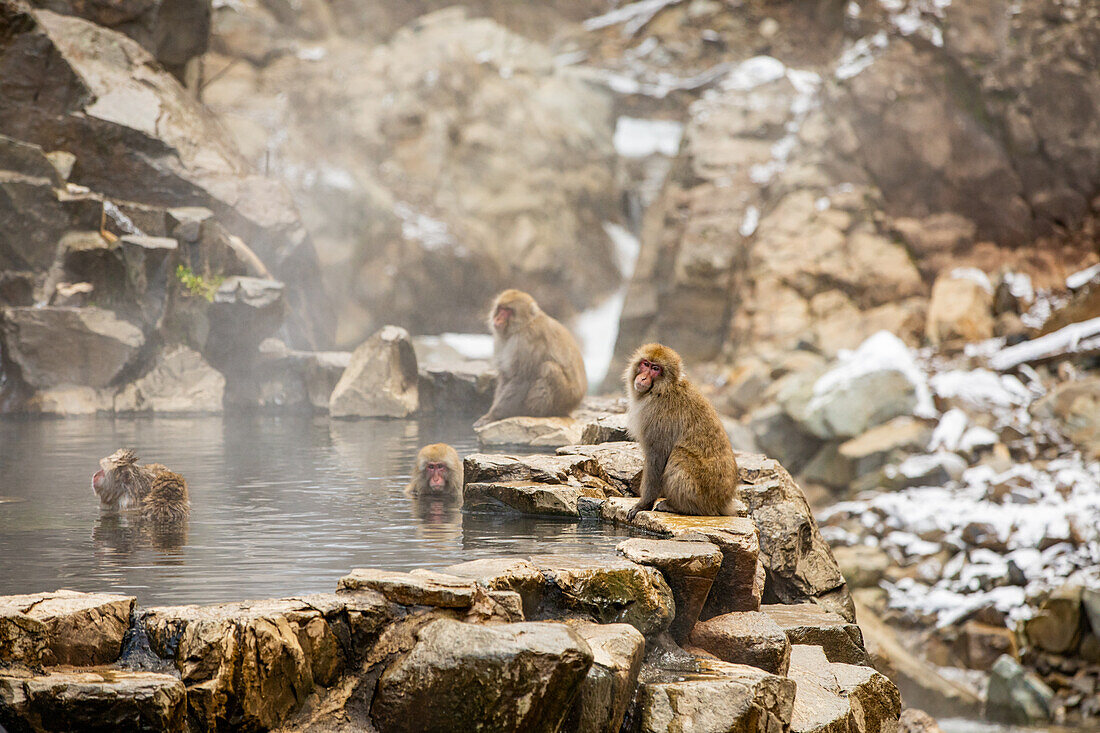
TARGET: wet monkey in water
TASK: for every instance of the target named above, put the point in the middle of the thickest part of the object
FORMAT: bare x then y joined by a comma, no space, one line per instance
438,472
688,457
539,365
121,484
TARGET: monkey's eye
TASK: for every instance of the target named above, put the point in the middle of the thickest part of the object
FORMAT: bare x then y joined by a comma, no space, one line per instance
656,368
643,364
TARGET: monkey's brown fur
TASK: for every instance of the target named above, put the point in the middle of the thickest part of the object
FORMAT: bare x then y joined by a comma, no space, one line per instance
688,458
443,460
539,365
167,500
121,484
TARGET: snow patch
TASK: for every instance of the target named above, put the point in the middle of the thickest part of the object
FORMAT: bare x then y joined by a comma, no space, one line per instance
637,138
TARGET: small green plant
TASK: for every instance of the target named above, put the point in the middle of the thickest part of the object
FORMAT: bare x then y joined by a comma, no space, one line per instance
197,284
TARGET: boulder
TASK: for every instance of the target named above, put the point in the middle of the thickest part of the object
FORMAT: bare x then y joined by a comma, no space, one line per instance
739,584
622,462
961,308
607,591
502,677
745,637
1056,628
23,640
779,436
608,688
840,697
244,312
99,700
980,645
913,720
807,623
381,380
715,697
878,446
574,470
81,629
180,382
606,429
1016,695
689,568
556,500
425,589
862,566
55,346
1074,406
70,400
797,559
540,432
461,387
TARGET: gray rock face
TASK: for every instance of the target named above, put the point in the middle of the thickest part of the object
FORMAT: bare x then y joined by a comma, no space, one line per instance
180,382
56,346
381,380
607,690
574,470
425,589
606,429
543,432
622,461
688,567
614,591
555,500
80,629
512,574
1016,695
1074,408
492,678
810,624
717,697
92,700
745,637
461,387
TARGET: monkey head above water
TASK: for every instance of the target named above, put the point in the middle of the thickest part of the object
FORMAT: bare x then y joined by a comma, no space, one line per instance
539,365
688,457
438,472
121,484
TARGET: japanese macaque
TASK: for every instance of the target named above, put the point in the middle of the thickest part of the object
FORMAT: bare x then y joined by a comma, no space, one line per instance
121,484
688,457
539,365
438,472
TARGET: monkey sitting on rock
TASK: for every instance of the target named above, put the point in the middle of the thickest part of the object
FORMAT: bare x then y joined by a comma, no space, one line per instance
157,493
539,365
688,457
438,472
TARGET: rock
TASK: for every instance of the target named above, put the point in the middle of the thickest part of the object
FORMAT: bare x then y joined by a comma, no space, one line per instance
605,429
622,462
745,637
180,382
878,446
297,379
70,400
782,438
525,498
607,591
842,697
797,559
981,645
715,697
689,568
1090,602
428,589
828,468
739,584
1075,407
462,387
1017,696
92,700
961,308
548,432
945,232
244,312
81,629
23,640
608,688
381,380
1056,628
574,470
934,469
511,574
502,677
862,566
55,346
913,720
919,682
807,623
108,103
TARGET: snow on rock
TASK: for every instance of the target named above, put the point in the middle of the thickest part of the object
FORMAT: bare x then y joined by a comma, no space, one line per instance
981,389
637,138
1072,339
949,432
1081,278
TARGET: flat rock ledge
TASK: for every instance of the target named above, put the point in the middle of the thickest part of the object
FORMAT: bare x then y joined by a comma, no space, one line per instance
672,635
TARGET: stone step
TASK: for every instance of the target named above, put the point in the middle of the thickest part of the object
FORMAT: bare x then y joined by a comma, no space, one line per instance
808,623
63,627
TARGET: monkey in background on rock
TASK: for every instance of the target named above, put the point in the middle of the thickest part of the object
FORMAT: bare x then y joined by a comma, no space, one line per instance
438,472
539,365
159,494
688,457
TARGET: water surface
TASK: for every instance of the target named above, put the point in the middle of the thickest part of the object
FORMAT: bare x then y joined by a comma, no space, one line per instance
280,505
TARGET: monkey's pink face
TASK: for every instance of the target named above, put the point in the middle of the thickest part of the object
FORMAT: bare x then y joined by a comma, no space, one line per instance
98,479
502,317
437,475
645,374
